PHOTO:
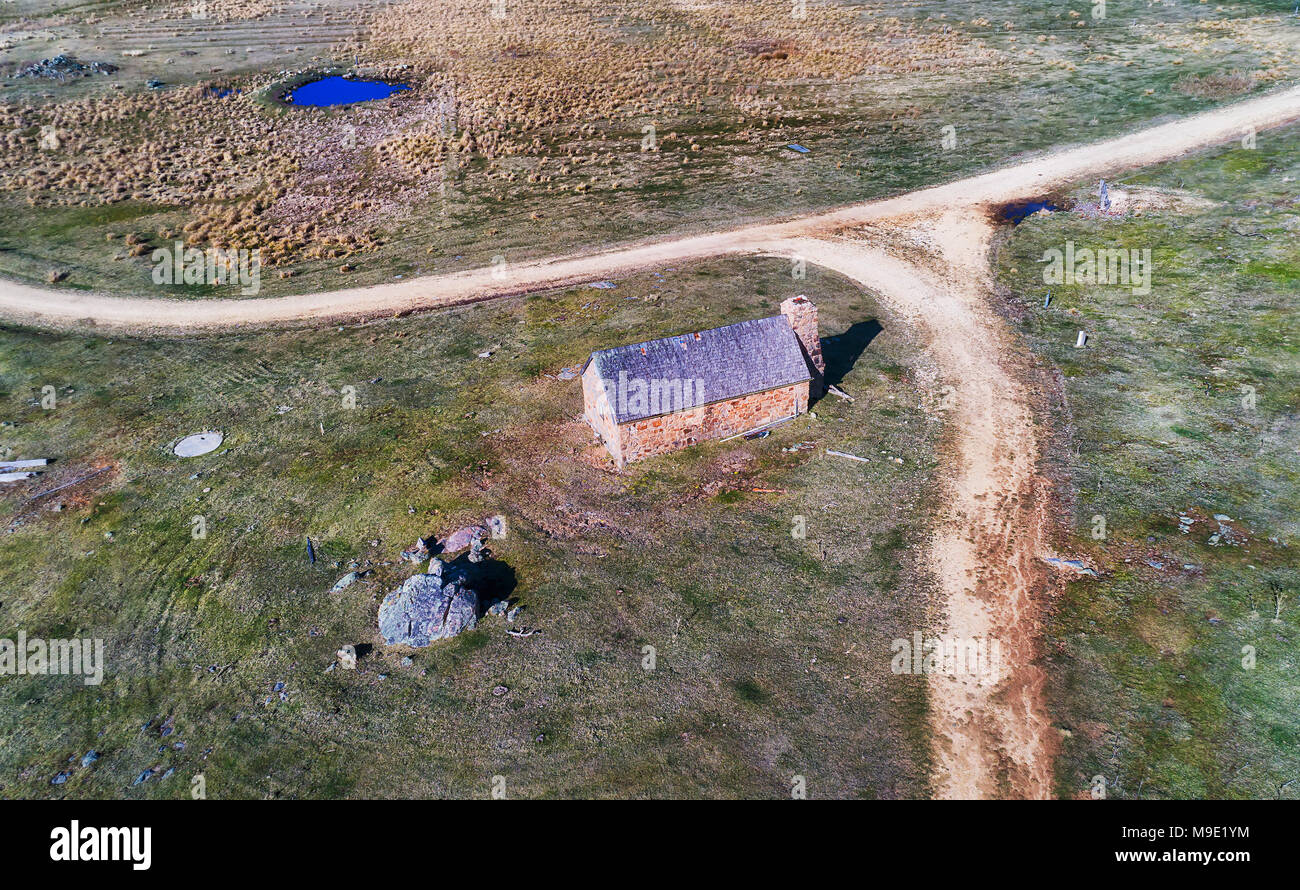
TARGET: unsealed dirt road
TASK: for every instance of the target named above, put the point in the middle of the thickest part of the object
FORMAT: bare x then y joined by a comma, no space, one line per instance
992,739
50,307
992,734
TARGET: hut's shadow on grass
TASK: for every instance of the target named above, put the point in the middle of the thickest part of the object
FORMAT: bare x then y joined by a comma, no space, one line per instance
842,351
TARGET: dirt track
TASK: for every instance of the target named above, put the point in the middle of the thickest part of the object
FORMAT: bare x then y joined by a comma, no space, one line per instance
992,739
51,307
992,529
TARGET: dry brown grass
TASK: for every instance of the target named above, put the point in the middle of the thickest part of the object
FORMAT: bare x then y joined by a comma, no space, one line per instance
1216,86
551,82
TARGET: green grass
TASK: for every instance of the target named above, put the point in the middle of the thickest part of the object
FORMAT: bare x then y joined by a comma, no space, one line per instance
1151,683
771,652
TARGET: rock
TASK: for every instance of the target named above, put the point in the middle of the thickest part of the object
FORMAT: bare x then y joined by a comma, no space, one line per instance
476,546
418,553
461,538
499,608
346,581
89,758
424,610
497,526
513,614
64,66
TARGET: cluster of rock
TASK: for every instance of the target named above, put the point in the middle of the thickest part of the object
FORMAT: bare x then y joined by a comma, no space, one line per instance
63,66
442,601
471,536
428,607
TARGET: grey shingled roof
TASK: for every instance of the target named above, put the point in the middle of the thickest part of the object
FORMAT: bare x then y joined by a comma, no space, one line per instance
732,361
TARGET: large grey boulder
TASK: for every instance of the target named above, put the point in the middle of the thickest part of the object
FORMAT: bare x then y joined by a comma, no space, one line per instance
426,609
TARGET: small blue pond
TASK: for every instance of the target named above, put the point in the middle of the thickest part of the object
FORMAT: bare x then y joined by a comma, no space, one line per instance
1019,211
342,91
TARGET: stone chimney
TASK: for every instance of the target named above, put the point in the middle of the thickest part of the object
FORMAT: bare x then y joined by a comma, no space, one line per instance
802,315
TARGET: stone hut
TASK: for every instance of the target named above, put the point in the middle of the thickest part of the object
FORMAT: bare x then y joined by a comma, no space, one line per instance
654,397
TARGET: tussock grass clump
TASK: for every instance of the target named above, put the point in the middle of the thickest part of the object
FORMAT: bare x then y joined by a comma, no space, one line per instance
1216,86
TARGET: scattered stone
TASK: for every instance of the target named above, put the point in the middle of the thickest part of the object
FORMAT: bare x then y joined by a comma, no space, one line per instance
499,691
417,554
476,546
89,758
460,539
499,608
1226,534
347,581
497,526
1075,565
513,614
407,661
64,66
62,777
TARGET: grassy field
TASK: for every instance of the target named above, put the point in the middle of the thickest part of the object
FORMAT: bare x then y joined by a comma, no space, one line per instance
772,652
1173,673
1008,77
